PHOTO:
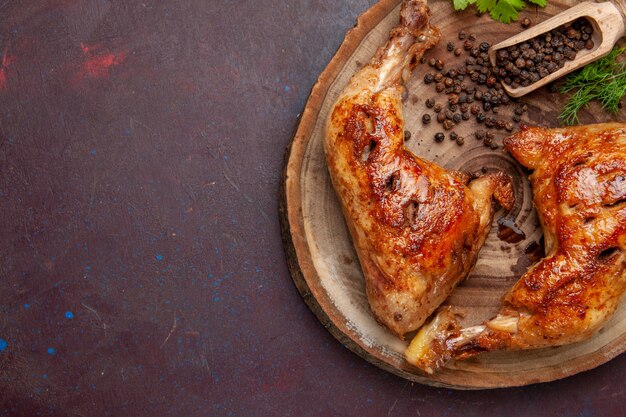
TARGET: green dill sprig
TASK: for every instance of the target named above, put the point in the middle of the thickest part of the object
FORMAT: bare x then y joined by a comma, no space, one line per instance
603,80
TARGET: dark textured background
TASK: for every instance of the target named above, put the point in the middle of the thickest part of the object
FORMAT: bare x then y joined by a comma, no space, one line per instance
141,265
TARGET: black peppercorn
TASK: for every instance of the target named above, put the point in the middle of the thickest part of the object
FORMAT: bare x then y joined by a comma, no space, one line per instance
439,137
426,118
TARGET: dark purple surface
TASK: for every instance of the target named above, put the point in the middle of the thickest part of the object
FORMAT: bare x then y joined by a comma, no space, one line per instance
141,266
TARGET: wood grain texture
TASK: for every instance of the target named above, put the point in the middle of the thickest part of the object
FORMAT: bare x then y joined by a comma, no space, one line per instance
322,260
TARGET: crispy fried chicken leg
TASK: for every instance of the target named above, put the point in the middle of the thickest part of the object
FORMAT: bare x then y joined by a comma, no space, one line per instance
579,187
416,227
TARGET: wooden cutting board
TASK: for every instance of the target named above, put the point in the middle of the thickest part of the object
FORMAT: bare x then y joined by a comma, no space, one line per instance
320,255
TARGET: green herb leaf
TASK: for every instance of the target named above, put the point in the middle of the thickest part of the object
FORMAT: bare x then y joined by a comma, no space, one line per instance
507,10
485,5
603,80
462,4
501,10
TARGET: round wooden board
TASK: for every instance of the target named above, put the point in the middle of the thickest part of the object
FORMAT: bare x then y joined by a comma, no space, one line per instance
321,258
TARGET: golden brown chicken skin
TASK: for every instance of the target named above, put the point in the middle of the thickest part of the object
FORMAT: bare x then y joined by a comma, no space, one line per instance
416,227
579,188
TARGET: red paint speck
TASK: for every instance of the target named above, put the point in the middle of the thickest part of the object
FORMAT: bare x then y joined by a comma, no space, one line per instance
99,64
4,66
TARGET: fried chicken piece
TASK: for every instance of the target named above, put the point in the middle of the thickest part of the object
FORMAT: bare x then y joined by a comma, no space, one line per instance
579,188
416,227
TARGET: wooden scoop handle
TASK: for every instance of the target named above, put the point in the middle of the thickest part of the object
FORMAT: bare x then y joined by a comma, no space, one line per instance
621,5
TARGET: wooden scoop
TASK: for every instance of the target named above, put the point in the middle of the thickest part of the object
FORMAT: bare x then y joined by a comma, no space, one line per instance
608,24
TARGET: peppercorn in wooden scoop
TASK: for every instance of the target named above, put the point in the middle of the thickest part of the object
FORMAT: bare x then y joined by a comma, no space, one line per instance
558,46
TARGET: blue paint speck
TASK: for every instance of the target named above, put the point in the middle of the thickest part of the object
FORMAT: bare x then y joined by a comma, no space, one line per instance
26,306
159,257
93,151
45,376
52,351
216,299
287,88
69,315
3,344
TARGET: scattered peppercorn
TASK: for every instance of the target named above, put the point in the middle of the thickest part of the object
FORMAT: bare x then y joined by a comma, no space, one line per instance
472,89
525,22
439,137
